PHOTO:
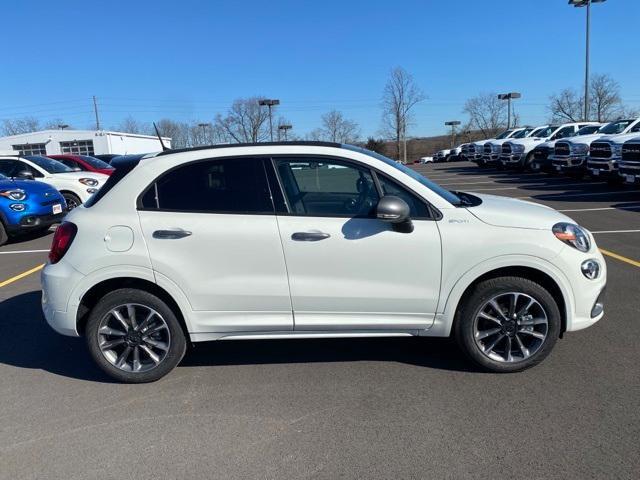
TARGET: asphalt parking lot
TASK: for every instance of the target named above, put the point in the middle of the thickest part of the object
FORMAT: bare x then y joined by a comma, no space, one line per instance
378,408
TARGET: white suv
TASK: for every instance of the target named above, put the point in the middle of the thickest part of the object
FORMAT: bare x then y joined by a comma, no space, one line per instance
76,187
307,240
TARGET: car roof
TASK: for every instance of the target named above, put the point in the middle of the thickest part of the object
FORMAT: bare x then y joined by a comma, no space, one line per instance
259,144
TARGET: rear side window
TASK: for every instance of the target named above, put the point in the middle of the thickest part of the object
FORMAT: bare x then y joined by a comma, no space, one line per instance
227,185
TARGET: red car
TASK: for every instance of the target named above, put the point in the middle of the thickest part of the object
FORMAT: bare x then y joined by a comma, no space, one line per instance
84,163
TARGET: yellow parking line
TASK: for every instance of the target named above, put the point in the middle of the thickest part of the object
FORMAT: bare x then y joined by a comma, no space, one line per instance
617,257
21,275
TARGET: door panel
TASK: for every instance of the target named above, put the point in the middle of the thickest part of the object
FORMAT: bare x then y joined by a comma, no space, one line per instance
364,275
231,266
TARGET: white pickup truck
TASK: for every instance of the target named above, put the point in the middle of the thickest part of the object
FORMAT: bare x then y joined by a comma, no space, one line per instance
476,149
519,153
629,165
492,148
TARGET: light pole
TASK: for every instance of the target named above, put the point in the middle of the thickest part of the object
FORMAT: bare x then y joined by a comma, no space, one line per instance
452,124
509,97
204,131
284,129
62,126
577,4
269,102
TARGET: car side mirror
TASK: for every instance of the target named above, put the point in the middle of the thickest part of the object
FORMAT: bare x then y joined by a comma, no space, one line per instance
395,211
25,175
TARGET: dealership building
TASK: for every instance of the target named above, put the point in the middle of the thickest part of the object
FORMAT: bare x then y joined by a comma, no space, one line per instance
81,142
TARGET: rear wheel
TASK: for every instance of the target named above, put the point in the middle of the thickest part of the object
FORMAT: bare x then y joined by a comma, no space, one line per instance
134,336
508,324
72,200
3,234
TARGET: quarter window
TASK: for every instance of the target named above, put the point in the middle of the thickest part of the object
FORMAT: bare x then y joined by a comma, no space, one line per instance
327,188
231,185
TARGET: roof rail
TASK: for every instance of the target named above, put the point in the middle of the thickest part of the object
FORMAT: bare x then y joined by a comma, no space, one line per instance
260,144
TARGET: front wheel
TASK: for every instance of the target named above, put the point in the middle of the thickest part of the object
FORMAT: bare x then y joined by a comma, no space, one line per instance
134,336
507,324
3,234
72,200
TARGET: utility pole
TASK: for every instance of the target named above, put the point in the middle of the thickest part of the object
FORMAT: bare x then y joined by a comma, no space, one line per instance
577,4
284,129
95,110
269,102
452,124
509,97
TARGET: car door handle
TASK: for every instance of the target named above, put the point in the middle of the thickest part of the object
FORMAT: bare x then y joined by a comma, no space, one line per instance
171,234
309,236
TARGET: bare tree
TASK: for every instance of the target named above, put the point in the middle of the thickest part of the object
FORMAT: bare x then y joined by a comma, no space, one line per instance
400,95
20,125
246,121
486,113
336,128
131,125
604,98
177,131
566,106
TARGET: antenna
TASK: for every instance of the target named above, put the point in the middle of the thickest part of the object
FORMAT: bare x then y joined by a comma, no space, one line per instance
164,147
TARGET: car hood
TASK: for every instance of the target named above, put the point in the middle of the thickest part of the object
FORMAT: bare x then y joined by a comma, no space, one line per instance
29,186
620,139
101,177
528,140
514,213
584,139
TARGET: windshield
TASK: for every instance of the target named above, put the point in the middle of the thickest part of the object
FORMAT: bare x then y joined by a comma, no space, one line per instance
588,130
434,187
49,164
615,127
534,132
504,134
2,177
544,132
95,162
522,133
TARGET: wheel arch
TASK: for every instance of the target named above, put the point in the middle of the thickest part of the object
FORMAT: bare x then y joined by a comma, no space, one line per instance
97,291
537,270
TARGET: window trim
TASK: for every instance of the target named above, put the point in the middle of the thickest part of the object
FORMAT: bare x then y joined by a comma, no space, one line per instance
141,208
435,213
268,160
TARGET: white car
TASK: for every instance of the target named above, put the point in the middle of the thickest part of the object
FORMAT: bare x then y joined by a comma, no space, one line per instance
602,160
629,165
426,160
75,187
476,149
441,155
544,152
307,241
519,153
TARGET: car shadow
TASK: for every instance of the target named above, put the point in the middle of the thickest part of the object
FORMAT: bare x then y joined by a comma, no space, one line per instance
29,236
26,341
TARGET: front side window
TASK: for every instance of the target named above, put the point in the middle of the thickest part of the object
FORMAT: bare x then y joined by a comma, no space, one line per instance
227,185
417,207
327,188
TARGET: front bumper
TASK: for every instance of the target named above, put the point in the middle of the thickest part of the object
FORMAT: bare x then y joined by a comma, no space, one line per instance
29,221
511,159
569,163
491,158
602,168
630,172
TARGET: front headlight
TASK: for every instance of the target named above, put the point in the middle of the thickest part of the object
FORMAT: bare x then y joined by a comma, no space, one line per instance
573,235
15,194
518,148
580,148
89,182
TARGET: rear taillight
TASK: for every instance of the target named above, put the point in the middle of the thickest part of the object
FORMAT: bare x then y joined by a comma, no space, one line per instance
62,239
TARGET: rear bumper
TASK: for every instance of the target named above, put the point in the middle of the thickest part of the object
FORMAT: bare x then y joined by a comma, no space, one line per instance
58,281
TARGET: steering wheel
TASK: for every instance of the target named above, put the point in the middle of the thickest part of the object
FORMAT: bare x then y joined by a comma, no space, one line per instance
363,203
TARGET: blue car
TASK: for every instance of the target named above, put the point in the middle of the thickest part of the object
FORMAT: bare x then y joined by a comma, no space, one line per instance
27,206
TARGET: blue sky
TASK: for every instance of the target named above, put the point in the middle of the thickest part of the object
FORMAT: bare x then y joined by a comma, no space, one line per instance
189,59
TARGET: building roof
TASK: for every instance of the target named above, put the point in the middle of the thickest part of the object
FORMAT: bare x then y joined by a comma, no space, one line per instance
80,133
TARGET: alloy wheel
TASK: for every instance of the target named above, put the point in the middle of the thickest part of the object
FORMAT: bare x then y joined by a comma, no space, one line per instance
511,327
134,338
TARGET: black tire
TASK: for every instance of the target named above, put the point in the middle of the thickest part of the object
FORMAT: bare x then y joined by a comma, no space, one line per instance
4,236
526,165
72,200
177,344
469,309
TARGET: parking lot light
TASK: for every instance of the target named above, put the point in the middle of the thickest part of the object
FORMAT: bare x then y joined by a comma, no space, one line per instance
577,4
284,129
269,102
452,124
509,97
